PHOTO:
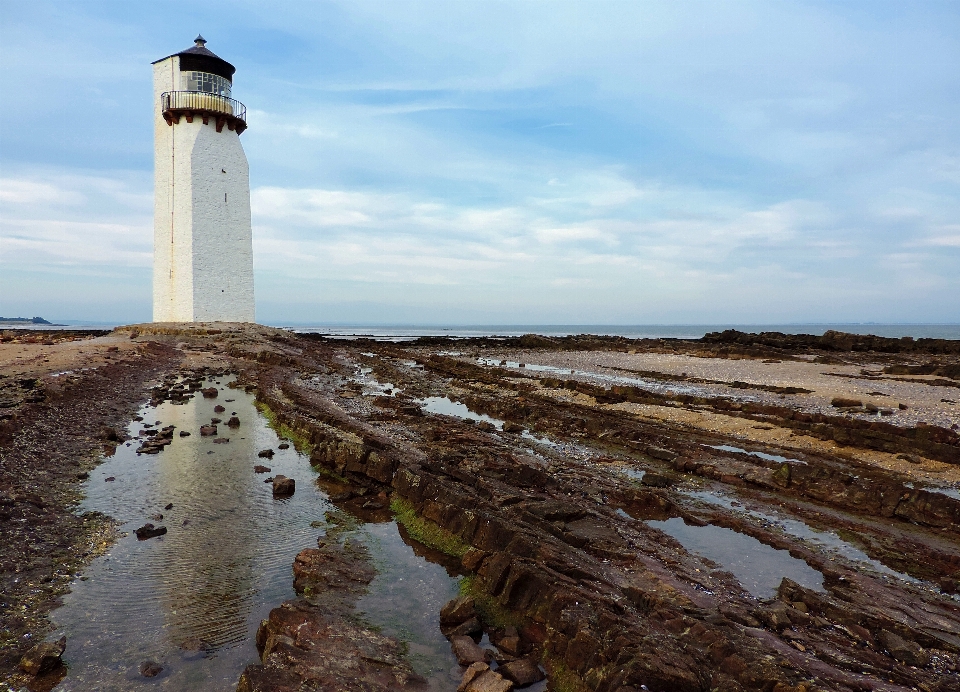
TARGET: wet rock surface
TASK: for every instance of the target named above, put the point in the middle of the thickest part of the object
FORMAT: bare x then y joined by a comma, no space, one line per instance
556,537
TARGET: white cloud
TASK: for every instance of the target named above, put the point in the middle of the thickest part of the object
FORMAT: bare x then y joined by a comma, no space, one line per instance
38,242
29,192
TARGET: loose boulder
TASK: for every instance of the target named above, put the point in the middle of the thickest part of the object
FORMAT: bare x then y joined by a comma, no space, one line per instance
283,486
150,669
522,672
234,422
467,651
209,393
265,454
149,531
43,657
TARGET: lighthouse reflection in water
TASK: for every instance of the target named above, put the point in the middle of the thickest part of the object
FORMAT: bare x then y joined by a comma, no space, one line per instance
191,599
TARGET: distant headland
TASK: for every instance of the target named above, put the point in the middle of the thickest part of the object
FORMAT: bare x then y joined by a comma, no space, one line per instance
16,321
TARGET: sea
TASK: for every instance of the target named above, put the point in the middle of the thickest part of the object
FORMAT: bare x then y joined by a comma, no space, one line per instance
408,332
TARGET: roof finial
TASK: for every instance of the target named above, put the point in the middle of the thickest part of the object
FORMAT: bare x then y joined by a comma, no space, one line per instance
200,41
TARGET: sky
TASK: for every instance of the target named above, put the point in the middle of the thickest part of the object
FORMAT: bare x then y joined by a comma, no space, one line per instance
515,162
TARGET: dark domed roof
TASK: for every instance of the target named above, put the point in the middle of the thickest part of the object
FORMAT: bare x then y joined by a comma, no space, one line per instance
199,58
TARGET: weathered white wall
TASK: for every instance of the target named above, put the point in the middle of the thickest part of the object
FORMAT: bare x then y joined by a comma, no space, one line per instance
203,243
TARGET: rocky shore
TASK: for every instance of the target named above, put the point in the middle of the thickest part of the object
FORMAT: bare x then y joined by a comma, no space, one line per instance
565,478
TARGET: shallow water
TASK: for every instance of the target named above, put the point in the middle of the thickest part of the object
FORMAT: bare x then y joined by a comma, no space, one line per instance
448,407
630,472
757,566
827,540
953,493
404,601
761,455
192,599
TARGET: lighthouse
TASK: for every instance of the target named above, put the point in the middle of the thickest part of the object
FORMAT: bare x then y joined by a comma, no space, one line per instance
202,239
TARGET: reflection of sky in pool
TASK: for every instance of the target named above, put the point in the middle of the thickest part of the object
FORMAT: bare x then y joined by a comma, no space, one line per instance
761,455
757,566
798,529
193,599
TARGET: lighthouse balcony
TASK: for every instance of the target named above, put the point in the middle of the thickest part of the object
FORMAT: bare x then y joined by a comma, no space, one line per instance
222,110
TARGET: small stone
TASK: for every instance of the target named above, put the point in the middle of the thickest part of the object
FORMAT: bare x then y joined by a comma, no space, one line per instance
283,445
214,421
843,402
218,409
109,479
221,440
283,486
149,531
184,433
43,657
150,669
209,393
208,430
261,469
169,506
265,454
234,422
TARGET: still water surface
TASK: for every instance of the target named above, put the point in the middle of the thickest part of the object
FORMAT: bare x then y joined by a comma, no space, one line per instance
193,598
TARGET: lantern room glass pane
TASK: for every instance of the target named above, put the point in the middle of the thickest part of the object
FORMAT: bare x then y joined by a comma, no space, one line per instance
205,82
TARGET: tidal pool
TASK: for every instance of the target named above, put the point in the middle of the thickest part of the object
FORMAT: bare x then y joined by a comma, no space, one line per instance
192,599
829,541
761,455
448,407
757,566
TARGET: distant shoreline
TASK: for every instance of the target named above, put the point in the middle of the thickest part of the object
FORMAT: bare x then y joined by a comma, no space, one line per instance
407,332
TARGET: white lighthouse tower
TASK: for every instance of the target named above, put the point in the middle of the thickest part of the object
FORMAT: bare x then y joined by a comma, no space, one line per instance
202,241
